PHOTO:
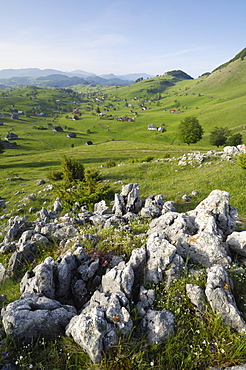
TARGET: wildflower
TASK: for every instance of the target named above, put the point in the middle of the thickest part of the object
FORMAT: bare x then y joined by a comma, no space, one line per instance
152,363
30,366
198,331
21,357
222,350
212,349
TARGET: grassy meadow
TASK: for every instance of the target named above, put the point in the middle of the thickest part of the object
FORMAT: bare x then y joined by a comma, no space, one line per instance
217,100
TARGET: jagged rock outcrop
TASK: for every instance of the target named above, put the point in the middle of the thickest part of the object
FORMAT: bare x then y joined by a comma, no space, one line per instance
55,289
35,316
219,294
237,242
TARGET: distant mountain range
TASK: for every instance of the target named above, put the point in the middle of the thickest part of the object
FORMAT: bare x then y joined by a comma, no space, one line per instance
57,78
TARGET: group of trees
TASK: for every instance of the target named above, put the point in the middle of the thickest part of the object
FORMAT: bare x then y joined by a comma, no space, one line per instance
191,131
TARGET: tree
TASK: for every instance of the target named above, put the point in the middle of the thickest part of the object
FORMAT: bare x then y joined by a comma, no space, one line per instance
234,140
71,169
190,130
219,136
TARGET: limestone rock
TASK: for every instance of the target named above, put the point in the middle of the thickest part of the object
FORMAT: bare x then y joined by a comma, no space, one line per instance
93,333
35,316
218,205
118,279
197,297
40,279
219,294
237,242
157,325
159,255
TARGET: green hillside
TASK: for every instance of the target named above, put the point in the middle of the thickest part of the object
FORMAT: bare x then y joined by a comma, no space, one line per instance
116,119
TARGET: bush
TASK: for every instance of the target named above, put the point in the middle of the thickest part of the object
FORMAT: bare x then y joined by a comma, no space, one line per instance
241,161
234,140
55,175
110,163
148,158
87,191
72,170
219,136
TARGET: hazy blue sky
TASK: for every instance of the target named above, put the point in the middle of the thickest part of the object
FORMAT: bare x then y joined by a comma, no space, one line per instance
121,36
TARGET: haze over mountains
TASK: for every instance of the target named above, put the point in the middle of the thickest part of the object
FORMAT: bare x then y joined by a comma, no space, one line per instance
53,77
57,78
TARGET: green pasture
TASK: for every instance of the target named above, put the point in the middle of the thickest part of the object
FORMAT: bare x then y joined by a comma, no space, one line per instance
217,100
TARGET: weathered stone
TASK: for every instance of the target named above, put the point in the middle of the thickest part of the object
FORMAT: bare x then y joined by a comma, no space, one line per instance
57,205
175,269
219,294
40,280
101,208
168,207
157,326
2,203
206,249
231,150
237,242
133,203
138,258
8,247
119,207
116,307
98,220
26,235
218,205
114,221
15,263
145,301
95,329
59,231
173,225
35,316
159,255
3,273
186,198
88,269
40,182
29,197
152,206
66,267
118,279
93,333
197,297
237,367
16,226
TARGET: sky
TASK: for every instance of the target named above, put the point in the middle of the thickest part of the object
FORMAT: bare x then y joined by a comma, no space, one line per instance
121,36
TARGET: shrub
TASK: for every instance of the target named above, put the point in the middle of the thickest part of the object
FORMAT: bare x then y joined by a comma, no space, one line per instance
55,175
234,140
219,136
241,161
87,191
71,169
110,163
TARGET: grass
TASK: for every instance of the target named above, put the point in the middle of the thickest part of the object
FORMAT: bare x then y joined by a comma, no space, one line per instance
197,344
118,151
